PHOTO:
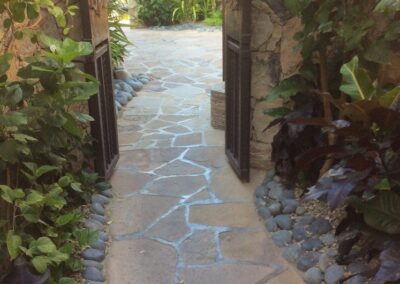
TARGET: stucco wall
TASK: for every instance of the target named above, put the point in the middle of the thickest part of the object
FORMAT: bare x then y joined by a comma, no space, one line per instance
273,59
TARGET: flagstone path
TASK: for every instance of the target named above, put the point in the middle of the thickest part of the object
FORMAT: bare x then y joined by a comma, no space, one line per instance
179,214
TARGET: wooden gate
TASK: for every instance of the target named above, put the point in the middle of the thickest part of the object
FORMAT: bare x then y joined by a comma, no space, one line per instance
237,76
101,106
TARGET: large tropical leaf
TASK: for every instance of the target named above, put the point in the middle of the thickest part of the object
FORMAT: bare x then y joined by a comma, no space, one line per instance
388,6
288,88
356,82
382,212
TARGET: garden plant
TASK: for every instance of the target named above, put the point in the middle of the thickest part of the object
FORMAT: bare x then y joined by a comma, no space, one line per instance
45,146
340,128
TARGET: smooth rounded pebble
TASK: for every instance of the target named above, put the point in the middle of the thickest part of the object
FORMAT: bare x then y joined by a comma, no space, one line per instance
275,208
324,261
98,218
313,276
92,263
271,225
93,254
282,238
98,198
284,222
93,224
107,193
312,244
264,212
93,274
307,260
320,226
100,245
334,274
98,208
299,233
292,252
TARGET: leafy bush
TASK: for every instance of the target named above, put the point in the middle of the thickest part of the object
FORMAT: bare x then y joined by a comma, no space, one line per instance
156,12
214,19
345,55
119,40
44,146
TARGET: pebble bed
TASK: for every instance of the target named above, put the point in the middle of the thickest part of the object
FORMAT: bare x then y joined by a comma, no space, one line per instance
307,241
93,257
189,26
126,86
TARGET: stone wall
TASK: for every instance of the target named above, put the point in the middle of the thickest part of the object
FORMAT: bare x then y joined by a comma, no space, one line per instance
25,48
273,59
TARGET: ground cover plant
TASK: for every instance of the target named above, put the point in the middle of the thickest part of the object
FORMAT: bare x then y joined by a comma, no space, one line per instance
44,145
344,135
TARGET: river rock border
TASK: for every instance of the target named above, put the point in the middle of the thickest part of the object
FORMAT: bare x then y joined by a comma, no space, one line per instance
93,257
306,241
126,86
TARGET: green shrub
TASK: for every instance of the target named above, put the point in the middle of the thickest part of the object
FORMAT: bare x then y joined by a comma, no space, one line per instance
215,19
156,12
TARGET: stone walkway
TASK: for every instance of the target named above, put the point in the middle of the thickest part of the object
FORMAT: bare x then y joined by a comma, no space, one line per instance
180,215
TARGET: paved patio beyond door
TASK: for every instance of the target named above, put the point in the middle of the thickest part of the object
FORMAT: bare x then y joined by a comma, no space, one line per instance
179,214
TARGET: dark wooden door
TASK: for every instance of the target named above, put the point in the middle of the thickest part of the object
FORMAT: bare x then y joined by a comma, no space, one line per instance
237,75
101,106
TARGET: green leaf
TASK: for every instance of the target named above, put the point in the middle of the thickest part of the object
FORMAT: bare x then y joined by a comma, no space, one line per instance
34,198
65,219
45,245
30,213
72,126
10,195
384,184
54,198
23,138
356,82
287,88
44,170
64,181
86,237
7,23
388,6
382,212
13,243
82,117
41,263
32,11
378,52
277,112
66,280
76,186
387,99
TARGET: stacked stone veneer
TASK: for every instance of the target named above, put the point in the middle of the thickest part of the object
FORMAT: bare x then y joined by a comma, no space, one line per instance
273,59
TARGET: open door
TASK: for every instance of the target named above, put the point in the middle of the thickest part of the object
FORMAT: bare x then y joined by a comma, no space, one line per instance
101,106
237,76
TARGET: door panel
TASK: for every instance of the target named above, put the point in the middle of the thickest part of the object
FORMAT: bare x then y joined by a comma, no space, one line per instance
237,75
101,106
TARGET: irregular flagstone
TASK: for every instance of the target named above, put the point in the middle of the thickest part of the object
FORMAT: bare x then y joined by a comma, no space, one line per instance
227,273
255,247
228,187
129,137
171,228
189,139
136,213
175,118
148,159
177,129
199,248
157,124
207,156
126,182
202,195
179,168
214,137
225,215
186,91
141,262
177,186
